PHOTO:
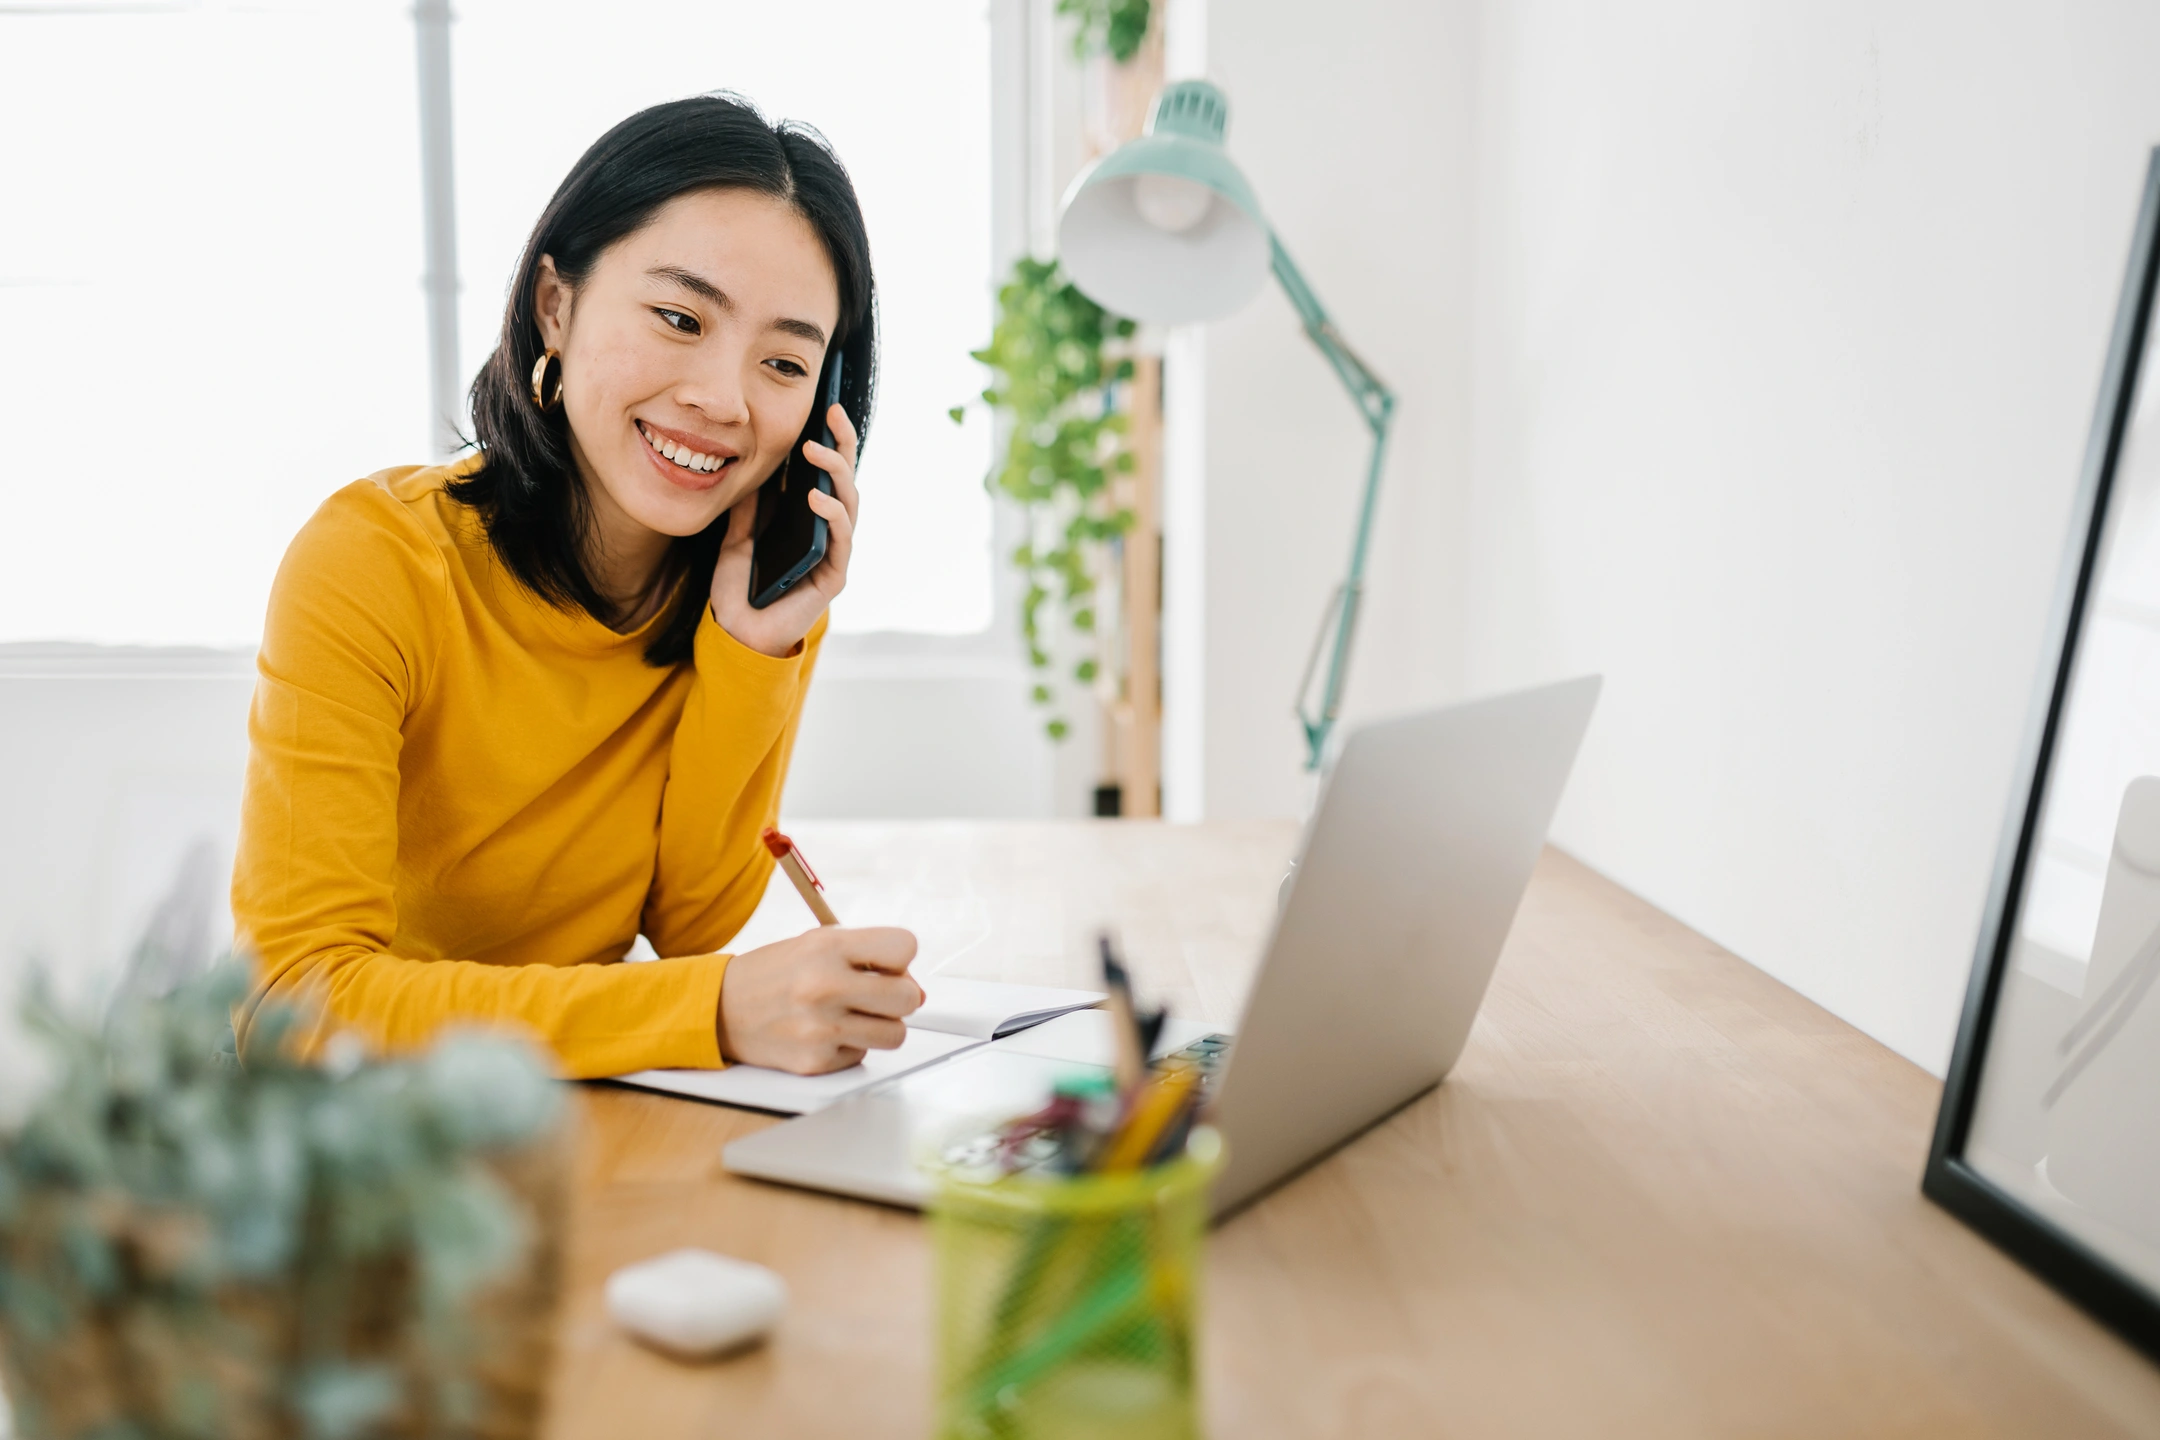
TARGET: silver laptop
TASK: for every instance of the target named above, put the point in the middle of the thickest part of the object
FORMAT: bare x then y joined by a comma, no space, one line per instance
1408,881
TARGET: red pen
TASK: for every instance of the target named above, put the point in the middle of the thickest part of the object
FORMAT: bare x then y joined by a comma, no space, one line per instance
798,870
812,889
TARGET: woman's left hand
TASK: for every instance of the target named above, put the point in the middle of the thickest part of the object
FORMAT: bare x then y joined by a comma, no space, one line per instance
779,627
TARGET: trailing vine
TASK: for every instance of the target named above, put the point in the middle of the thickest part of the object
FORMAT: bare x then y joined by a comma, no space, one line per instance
1051,373
1117,27
1052,376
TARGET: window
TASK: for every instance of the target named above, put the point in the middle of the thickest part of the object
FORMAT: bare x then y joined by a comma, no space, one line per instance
209,317
210,285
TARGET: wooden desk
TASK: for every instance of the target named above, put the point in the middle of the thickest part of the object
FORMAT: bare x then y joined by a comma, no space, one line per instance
1661,1195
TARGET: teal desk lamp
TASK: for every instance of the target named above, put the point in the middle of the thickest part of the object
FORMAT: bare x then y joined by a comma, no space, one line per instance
1165,229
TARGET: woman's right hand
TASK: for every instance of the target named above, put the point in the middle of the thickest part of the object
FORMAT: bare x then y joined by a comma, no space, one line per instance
817,1002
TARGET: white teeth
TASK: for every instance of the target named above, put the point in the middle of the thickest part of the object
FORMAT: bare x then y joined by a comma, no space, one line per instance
682,455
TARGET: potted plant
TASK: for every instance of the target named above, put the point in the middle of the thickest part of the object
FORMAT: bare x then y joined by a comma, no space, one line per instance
326,1246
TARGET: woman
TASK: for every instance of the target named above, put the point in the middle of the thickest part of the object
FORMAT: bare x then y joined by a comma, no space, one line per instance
515,711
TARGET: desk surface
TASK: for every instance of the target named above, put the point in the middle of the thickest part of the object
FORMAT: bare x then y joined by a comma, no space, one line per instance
1661,1195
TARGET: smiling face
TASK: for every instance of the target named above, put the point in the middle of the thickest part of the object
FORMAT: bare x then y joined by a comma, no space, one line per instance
690,358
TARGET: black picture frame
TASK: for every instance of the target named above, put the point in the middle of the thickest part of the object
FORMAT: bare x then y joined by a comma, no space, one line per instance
2080,1272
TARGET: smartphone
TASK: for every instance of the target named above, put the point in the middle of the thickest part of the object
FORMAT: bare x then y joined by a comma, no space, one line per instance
791,537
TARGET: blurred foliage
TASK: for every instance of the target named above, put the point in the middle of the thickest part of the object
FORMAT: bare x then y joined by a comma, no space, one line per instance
190,1246
1050,374
1113,27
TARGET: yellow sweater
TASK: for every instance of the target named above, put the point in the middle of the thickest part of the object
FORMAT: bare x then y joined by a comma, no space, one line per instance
464,804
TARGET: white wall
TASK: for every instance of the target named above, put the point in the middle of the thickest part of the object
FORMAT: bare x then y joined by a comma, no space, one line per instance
1790,322
906,725
1788,319
119,806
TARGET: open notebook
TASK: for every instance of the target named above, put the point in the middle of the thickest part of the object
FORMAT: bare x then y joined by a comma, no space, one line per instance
955,1015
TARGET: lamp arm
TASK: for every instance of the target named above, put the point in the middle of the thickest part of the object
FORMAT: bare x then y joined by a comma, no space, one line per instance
1376,403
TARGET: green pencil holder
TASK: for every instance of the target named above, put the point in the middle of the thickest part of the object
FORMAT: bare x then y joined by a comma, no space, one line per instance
1068,1307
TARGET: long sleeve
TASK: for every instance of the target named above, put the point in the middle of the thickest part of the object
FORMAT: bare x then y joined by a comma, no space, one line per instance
726,768
354,649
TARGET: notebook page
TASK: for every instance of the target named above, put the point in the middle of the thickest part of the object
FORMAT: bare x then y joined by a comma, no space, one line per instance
986,1009
762,1089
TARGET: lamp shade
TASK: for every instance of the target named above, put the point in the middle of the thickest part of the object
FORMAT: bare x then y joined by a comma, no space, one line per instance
1164,228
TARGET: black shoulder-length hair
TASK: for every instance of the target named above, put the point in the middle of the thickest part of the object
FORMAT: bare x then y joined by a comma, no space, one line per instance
527,493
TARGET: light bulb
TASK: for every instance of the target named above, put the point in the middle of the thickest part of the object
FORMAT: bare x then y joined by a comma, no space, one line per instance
1171,202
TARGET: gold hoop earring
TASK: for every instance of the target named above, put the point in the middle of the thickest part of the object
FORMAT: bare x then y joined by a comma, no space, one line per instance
543,397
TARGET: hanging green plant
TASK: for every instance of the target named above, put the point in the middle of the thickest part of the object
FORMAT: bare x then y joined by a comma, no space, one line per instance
1114,26
1052,375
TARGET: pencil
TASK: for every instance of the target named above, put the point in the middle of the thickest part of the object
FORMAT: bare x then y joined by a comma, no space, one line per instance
1156,1109
1129,1064
806,882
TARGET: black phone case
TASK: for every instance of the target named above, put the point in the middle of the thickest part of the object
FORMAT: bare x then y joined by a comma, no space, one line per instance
762,591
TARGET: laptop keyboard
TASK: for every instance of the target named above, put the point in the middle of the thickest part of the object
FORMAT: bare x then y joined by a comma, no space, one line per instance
1209,1052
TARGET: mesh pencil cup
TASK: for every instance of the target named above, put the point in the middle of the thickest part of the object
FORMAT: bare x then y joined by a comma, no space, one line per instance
1068,1306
